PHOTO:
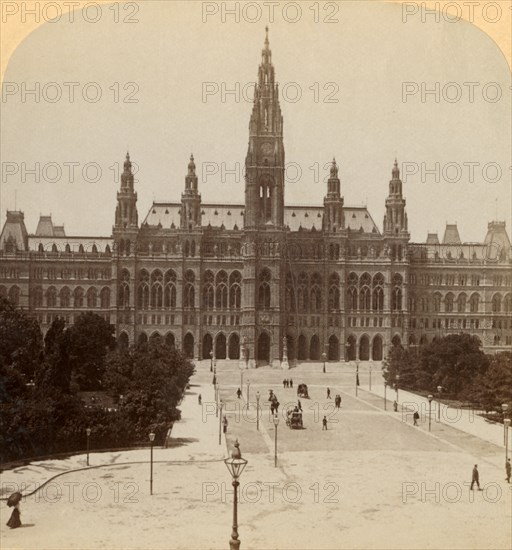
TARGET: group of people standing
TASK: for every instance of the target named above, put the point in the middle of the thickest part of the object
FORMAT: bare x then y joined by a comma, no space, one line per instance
287,383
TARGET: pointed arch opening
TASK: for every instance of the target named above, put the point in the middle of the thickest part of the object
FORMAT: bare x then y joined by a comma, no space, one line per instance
264,348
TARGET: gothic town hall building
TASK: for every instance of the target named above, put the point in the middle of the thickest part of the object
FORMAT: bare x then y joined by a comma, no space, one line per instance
240,280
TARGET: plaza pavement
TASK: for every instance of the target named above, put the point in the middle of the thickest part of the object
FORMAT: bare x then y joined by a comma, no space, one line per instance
372,480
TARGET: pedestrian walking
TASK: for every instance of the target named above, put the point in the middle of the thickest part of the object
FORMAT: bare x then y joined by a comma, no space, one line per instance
224,424
299,405
284,383
507,469
199,399
415,418
328,393
291,383
14,502
324,423
395,406
475,478
239,393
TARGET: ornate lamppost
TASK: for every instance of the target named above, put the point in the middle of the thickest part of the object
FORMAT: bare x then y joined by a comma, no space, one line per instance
370,382
357,376
211,360
397,378
439,390
385,401
220,422
276,424
430,397
248,387
235,465
151,439
88,432
258,410
324,357
506,422
504,408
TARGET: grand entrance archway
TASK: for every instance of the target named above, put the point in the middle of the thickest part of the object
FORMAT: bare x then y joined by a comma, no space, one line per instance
207,346
220,346
188,345
264,348
234,346
334,348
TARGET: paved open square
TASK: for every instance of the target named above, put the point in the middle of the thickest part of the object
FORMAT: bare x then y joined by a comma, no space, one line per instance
370,480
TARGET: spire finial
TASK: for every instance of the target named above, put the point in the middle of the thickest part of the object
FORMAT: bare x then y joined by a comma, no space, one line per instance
396,171
266,36
334,168
191,166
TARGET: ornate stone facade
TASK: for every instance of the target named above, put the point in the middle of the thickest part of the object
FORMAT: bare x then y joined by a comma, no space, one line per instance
243,279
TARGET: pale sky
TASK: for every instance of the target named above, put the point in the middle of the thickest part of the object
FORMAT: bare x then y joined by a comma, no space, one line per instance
170,55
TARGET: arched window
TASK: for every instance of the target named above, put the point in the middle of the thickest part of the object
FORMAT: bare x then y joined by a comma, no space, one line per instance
289,293
448,303
143,290
474,303
208,290
78,297
40,248
334,292
189,300
461,303
496,303
507,303
302,292
170,289
221,290
235,291
364,292
38,297
316,293
105,297
157,290
378,292
51,297
396,292
124,289
65,297
352,283
264,289
92,298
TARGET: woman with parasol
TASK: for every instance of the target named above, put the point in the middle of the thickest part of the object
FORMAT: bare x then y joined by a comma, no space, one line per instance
14,502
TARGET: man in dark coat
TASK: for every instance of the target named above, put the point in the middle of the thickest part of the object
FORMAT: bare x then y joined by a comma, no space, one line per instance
475,478
415,417
291,383
324,423
508,469
239,393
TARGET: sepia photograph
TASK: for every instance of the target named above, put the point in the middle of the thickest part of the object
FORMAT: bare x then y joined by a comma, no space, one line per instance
255,275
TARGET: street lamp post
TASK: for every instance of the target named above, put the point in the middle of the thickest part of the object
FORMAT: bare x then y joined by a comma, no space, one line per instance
439,390
397,378
220,422
385,401
357,376
216,399
211,360
151,439
276,423
88,432
324,357
370,382
430,397
248,386
258,410
507,426
241,380
504,408
235,465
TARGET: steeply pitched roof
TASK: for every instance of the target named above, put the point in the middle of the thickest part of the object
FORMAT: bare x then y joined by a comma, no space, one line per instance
451,234
45,227
14,233
231,216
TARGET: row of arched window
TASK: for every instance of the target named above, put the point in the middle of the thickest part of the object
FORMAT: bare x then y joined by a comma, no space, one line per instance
449,304
366,293
13,294
221,291
90,249
66,298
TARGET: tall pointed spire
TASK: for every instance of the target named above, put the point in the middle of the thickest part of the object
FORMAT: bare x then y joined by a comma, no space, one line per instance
333,219
190,199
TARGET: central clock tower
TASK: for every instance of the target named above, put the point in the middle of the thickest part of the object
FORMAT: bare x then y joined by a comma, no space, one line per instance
264,164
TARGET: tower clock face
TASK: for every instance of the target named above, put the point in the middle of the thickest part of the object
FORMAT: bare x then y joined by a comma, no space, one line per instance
266,148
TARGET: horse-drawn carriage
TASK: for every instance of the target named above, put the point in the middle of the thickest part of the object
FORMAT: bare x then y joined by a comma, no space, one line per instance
302,391
294,419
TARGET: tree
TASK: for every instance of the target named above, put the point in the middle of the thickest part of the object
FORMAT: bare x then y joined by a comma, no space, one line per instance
20,339
403,362
452,362
90,339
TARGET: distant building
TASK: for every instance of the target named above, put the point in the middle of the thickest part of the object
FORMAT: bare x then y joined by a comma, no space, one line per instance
239,279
